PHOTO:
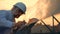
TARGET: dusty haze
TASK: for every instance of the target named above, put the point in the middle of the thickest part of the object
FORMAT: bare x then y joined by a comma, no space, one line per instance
41,9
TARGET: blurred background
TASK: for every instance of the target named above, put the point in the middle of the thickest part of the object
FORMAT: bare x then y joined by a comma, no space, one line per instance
41,9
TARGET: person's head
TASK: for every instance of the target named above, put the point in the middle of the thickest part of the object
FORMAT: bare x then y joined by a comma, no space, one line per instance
18,9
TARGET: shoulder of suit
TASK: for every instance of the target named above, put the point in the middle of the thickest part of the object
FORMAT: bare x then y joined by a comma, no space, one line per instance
5,11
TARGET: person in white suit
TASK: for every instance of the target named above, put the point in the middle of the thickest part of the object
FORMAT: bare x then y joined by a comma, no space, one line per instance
7,18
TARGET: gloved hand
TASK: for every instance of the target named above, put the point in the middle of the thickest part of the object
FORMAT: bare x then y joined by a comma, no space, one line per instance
20,23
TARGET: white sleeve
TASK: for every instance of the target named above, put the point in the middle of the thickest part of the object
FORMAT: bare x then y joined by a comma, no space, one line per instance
6,23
